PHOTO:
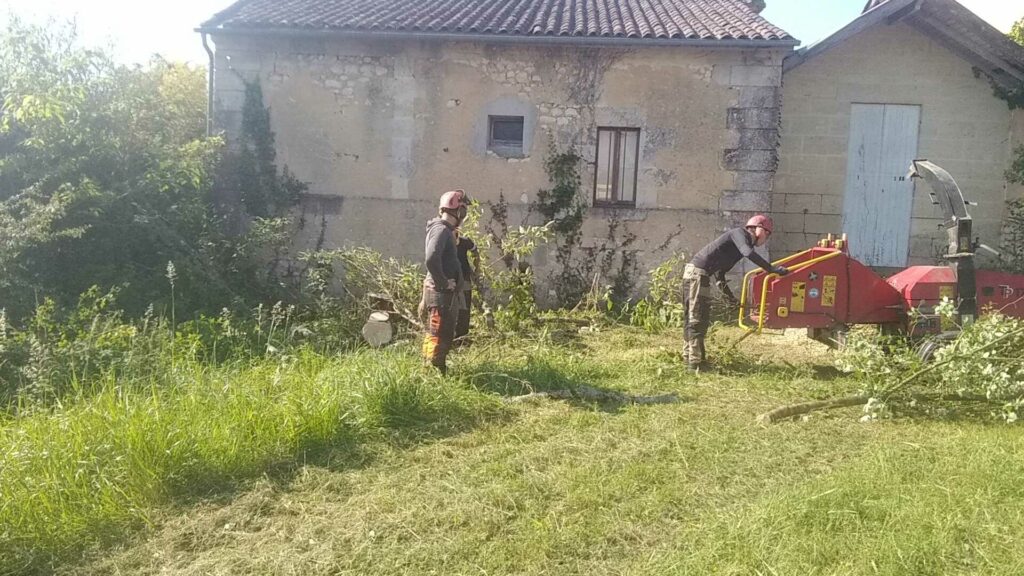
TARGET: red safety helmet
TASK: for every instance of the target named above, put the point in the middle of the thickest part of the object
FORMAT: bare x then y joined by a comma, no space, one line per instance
453,200
762,221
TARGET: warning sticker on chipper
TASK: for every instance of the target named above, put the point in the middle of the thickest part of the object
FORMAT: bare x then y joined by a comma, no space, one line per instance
828,291
796,303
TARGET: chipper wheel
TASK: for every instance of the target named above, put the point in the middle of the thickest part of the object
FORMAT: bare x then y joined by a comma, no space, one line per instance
929,346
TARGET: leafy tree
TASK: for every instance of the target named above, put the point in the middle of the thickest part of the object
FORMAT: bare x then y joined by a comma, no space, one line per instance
104,169
1017,32
106,175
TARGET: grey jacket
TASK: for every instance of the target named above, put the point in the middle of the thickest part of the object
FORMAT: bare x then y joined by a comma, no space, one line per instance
441,256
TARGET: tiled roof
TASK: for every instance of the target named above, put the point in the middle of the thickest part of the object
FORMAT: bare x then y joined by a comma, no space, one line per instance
947,21
611,19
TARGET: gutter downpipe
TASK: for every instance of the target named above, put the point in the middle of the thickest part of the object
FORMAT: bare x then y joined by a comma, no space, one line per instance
209,87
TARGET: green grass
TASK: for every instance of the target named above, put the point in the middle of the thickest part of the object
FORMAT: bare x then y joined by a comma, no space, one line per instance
94,469
366,464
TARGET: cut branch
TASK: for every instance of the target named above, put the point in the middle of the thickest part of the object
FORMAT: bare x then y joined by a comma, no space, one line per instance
903,383
791,410
783,412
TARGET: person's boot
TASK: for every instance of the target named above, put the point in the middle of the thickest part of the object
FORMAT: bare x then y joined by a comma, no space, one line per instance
698,357
690,355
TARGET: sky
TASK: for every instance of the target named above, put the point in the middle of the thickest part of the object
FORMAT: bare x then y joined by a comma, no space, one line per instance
134,33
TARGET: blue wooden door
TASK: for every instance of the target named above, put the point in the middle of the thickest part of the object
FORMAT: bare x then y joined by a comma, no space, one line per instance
878,198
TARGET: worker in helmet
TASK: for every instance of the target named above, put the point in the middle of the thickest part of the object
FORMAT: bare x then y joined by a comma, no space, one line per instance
441,299
716,260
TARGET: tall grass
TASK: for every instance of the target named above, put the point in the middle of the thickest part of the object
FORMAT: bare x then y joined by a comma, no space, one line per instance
88,469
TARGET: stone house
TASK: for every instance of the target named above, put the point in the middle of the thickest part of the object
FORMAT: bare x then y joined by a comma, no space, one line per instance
908,78
382,105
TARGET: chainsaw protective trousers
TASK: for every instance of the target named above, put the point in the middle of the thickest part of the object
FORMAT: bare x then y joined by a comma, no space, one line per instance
697,303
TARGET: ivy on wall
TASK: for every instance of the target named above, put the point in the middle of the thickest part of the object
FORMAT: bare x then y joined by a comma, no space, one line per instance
609,268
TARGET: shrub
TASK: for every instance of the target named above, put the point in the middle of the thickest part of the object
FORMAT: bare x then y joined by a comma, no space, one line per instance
663,306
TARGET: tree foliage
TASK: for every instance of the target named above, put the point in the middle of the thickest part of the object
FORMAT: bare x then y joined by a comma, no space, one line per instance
104,169
1017,32
107,174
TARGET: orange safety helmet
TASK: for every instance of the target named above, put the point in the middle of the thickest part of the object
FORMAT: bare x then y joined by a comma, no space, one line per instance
760,220
453,200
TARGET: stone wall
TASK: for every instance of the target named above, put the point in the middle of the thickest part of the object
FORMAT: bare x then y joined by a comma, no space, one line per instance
964,129
379,130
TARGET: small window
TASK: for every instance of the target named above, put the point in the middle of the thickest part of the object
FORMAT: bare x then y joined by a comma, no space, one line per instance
505,135
618,150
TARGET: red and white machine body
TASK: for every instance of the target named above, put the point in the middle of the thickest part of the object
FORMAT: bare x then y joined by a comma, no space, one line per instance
827,290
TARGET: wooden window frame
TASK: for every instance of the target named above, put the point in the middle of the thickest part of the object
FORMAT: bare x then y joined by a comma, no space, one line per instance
616,166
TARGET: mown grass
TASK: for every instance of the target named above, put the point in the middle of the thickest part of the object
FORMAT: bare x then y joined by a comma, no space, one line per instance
411,474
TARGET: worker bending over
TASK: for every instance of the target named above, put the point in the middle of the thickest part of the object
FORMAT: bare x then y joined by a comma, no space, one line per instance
717,259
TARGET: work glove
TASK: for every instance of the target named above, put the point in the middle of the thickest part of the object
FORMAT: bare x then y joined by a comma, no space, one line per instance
780,270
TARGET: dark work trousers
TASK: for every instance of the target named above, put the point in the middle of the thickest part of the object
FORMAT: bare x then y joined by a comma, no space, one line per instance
462,325
698,314
441,319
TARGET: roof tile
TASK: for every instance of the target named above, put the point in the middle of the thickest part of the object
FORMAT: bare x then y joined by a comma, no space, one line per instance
637,19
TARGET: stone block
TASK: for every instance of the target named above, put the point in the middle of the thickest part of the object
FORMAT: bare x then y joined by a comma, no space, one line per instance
832,204
802,203
755,75
759,96
789,223
751,180
749,201
822,223
758,139
734,219
721,75
754,160
813,89
785,182
752,118
778,202
783,243
827,145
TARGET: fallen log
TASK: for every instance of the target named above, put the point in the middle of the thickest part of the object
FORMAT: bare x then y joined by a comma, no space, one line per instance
594,395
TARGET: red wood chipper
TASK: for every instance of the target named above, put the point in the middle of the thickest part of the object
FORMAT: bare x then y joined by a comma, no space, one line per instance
827,291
